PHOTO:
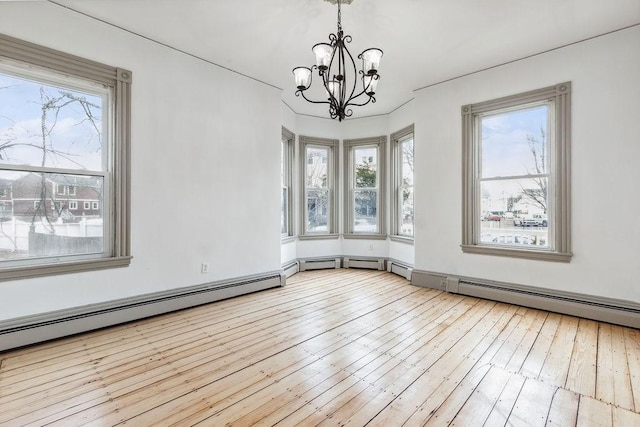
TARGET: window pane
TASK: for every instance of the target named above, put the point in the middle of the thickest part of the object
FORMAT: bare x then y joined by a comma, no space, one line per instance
366,209
37,221
406,211
284,220
514,212
366,162
515,143
317,167
51,126
407,162
317,210
283,162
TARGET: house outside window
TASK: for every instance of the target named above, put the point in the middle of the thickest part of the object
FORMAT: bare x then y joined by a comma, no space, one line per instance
50,166
364,189
402,198
516,175
319,160
286,184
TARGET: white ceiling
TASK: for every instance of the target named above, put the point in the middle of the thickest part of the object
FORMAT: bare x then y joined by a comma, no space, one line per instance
424,41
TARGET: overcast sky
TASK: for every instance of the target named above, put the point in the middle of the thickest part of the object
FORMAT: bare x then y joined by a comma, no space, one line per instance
21,120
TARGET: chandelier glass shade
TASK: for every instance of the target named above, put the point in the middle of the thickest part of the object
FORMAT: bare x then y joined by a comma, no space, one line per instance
344,85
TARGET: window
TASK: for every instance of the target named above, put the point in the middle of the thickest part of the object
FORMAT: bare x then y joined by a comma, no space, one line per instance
73,206
364,198
73,116
95,205
516,175
402,184
319,159
286,181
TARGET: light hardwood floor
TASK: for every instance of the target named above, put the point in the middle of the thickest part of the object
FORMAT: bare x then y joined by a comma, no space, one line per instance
333,347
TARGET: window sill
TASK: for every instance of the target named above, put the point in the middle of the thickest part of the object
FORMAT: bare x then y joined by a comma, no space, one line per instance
43,270
364,236
537,255
287,239
401,239
318,236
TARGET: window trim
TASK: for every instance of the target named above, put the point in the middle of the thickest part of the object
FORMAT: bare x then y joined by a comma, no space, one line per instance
560,172
289,139
397,138
119,80
332,145
349,146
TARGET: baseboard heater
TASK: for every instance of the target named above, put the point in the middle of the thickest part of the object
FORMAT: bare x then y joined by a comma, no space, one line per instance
359,262
319,263
27,330
603,309
399,268
290,268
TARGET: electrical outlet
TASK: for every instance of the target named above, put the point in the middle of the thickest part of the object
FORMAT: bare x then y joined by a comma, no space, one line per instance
204,268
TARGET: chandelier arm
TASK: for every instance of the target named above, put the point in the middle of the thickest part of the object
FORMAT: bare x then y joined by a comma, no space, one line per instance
355,74
371,99
301,92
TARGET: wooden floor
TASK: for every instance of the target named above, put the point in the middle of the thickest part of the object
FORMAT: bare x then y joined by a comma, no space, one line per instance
333,347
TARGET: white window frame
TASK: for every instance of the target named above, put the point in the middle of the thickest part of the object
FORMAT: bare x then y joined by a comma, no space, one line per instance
73,205
95,205
397,184
332,177
558,98
56,65
287,147
350,146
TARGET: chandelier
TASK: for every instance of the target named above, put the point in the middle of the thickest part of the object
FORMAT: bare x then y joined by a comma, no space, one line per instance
344,86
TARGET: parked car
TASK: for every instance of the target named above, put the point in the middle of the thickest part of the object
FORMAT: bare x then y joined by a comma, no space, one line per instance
534,220
492,216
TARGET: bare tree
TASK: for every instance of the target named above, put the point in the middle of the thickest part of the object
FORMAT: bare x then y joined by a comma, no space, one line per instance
538,148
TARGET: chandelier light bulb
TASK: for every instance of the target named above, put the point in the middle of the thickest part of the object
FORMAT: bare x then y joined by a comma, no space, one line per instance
323,52
371,60
302,76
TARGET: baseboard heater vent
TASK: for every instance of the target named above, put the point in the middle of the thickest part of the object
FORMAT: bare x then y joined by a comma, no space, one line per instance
32,329
368,263
399,268
602,309
319,263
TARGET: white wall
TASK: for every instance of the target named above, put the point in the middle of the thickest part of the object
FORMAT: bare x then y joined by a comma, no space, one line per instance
605,147
205,150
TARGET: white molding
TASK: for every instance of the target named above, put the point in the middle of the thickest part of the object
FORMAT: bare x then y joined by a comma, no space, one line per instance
27,330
